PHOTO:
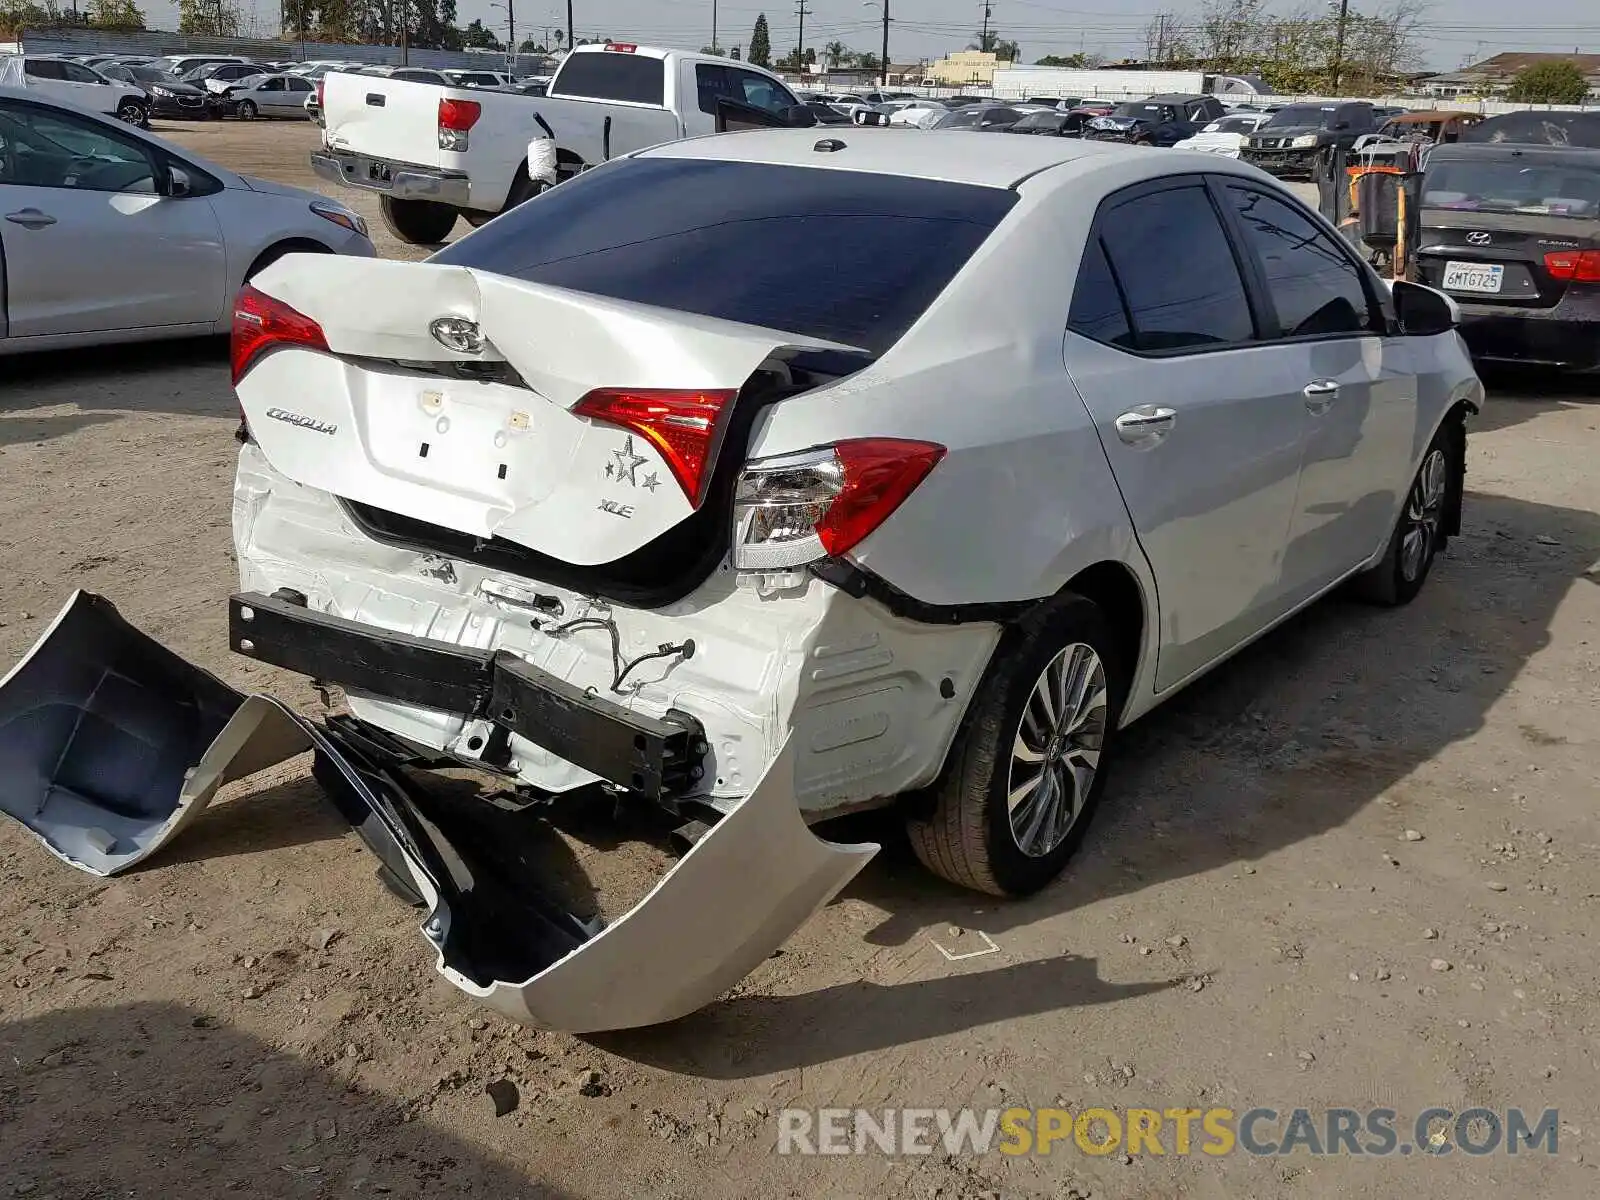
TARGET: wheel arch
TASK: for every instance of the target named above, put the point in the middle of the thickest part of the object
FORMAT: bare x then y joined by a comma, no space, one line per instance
275,251
1120,595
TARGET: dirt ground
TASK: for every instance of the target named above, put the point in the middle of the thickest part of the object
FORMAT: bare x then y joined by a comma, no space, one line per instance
1357,866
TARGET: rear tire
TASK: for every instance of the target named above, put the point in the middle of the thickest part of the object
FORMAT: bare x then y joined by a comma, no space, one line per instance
245,110
418,222
1020,740
1423,529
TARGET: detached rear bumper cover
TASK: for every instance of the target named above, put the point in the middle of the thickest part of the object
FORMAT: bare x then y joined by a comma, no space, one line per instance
110,744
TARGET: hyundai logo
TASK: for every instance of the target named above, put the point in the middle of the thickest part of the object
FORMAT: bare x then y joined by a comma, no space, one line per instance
458,334
1479,239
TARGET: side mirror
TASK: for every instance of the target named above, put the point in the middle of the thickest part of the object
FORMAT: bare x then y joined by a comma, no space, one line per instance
1422,311
179,184
799,116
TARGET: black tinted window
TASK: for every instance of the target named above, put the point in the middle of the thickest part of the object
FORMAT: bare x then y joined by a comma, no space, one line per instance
740,241
43,68
613,76
1177,271
1314,285
1097,310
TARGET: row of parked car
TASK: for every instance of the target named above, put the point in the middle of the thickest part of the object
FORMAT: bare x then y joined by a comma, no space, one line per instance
135,87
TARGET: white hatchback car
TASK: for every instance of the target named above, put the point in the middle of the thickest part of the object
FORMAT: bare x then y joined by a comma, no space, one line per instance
716,479
110,234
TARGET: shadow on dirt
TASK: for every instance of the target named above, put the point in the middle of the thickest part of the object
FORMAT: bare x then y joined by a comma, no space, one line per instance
1269,750
188,377
150,1099
1522,394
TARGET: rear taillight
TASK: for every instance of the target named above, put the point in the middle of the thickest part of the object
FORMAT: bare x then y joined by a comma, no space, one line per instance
684,426
319,93
261,322
1575,266
798,508
456,117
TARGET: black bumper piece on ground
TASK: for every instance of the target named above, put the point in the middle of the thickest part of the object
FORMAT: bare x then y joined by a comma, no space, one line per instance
655,758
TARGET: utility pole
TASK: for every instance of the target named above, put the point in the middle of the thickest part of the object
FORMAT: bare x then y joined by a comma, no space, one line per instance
884,76
983,38
1338,44
800,53
511,33
569,26
713,26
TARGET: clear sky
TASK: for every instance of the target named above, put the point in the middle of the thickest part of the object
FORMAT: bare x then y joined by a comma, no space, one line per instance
1454,31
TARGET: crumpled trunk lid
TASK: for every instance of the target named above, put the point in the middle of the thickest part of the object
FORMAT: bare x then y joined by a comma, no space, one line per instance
486,443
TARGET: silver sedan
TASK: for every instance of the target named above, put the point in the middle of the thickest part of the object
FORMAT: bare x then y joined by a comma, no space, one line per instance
270,96
112,235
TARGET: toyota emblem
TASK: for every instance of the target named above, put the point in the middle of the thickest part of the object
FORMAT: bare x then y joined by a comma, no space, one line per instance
458,334
1478,238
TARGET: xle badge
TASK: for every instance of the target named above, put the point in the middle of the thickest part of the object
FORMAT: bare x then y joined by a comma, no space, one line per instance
624,465
616,510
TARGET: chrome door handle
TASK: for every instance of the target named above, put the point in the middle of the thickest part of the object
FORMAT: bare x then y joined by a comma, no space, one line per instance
30,218
1145,425
1320,394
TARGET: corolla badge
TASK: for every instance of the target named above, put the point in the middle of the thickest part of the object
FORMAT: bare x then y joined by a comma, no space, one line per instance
458,334
1479,238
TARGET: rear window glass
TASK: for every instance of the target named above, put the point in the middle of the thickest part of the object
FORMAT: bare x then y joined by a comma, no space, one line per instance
637,79
1542,189
847,256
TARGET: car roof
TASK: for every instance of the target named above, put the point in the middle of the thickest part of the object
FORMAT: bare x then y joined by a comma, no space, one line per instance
1530,152
950,156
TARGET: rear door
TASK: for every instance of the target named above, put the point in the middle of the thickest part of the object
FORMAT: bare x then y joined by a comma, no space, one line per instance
297,90
49,77
1193,411
89,244
1355,379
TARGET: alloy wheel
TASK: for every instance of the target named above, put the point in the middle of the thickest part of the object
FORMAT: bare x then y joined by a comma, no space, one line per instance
1057,749
1420,530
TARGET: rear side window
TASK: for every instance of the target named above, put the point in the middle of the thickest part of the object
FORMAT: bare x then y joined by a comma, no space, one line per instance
739,241
43,68
609,75
1315,288
1177,271
1097,309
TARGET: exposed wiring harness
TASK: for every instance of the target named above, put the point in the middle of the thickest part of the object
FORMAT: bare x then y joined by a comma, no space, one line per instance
621,668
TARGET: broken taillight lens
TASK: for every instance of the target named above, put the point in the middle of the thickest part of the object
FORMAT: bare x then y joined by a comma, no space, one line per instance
261,322
1574,266
797,508
684,426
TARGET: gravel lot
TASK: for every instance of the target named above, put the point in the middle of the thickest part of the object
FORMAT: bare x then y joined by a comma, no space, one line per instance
1358,866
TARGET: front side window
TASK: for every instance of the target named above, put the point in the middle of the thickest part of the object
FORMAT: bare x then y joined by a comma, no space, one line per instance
1177,271
43,148
760,92
1314,286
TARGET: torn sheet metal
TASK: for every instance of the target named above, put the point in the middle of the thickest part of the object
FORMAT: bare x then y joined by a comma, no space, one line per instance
110,744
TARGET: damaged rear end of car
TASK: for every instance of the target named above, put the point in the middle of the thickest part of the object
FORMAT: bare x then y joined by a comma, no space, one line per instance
530,507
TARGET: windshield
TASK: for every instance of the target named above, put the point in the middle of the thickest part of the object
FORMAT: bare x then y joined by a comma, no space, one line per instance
1300,114
739,241
1546,189
149,75
1233,125
1148,112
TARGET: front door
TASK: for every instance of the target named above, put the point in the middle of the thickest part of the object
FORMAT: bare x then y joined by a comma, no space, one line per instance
1356,382
1164,348
90,243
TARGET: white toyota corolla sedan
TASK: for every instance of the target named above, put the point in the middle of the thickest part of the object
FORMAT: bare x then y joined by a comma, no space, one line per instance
770,476
110,234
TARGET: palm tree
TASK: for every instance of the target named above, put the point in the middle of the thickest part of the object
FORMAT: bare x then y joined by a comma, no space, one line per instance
834,52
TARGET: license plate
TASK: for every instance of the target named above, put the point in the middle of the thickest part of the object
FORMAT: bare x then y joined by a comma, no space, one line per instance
1473,277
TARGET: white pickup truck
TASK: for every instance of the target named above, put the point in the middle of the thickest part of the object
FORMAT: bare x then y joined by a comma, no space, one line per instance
436,153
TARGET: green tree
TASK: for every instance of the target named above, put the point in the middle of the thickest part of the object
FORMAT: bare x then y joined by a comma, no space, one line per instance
1007,51
734,54
761,43
717,50
1070,60
115,14
833,53
1558,82
475,36
215,18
